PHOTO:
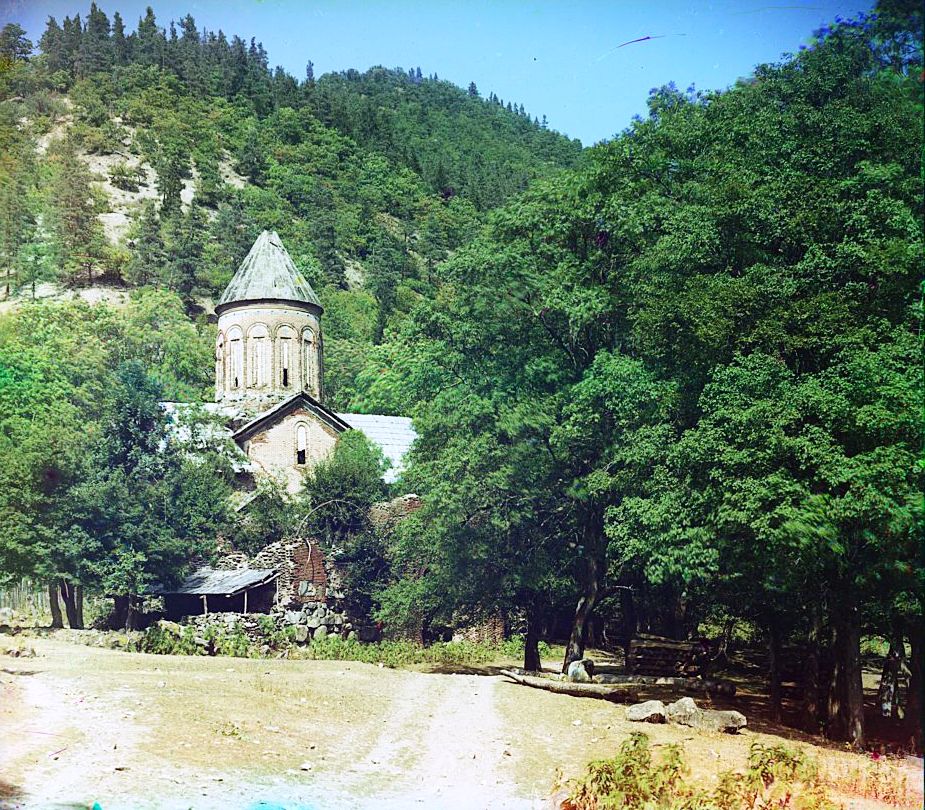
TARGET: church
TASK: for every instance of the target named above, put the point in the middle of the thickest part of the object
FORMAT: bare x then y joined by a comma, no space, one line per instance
269,373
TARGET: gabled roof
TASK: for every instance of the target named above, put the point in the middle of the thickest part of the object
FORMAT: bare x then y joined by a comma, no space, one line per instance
286,406
394,434
212,582
268,274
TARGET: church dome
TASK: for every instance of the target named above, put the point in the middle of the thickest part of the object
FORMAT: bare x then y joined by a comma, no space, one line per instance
268,274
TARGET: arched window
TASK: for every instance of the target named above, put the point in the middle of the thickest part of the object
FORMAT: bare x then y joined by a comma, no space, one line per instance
236,358
285,339
308,359
301,443
258,342
220,362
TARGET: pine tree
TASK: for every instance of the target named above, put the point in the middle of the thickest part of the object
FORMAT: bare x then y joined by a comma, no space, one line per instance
310,74
184,252
151,41
473,90
13,43
120,52
79,235
149,254
52,46
95,52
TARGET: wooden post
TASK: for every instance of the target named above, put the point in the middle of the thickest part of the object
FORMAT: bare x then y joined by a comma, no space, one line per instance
205,605
245,600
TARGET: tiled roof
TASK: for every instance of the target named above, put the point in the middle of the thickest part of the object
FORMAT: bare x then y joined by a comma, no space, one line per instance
394,434
268,273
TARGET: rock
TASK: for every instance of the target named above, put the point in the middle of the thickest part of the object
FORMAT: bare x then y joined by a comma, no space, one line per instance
292,617
728,721
338,620
651,711
320,633
301,634
305,766
581,671
170,627
313,622
351,635
6,615
684,712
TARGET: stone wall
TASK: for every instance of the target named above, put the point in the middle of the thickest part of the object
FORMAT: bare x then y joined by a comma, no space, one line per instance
303,575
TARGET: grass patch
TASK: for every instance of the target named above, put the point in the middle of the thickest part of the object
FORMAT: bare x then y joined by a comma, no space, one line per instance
397,654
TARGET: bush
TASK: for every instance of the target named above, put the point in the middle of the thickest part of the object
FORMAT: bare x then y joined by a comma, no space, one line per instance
125,177
776,776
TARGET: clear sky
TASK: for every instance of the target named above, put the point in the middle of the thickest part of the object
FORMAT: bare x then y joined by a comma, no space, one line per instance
562,59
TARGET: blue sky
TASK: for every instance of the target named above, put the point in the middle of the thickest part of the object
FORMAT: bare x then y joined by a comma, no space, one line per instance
561,59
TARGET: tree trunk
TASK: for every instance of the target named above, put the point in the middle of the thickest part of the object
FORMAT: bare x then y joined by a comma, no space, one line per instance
70,604
810,680
846,700
627,620
774,670
916,693
79,604
593,541
57,622
532,661
119,612
888,692
131,613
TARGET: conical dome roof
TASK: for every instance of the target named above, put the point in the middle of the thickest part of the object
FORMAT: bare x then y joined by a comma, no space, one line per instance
267,274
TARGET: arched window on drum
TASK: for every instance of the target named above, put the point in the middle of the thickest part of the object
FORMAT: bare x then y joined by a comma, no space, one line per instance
258,342
235,358
308,359
286,351
301,443
220,375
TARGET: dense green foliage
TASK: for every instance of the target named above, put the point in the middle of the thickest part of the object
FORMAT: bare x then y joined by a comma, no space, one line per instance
691,368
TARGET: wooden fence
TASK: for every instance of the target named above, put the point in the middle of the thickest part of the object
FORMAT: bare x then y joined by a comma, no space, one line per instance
27,597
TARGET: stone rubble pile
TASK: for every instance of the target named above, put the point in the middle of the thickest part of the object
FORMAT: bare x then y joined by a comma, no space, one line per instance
246,623
316,620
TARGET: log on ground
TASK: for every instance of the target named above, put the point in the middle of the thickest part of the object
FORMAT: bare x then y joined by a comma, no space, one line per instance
615,694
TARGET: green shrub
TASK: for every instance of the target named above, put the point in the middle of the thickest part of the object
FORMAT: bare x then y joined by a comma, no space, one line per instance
776,776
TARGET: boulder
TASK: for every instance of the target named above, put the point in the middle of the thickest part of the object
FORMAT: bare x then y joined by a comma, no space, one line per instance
320,633
687,713
292,617
301,634
684,712
727,721
651,711
313,622
581,671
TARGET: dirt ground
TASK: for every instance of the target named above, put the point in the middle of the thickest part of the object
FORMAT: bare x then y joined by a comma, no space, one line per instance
80,725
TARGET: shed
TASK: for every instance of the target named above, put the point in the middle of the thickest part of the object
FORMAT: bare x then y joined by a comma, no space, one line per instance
210,590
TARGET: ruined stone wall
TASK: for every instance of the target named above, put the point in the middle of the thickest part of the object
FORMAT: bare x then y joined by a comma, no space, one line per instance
303,577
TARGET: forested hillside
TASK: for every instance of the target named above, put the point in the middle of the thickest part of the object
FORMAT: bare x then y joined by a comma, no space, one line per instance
192,145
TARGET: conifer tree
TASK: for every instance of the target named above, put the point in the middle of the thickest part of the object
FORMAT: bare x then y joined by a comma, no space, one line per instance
52,46
473,90
149,255
95,52
120,52
14,45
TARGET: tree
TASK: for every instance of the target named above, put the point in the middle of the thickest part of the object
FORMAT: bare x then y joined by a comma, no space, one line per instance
79,235
473,91
149,253
14,45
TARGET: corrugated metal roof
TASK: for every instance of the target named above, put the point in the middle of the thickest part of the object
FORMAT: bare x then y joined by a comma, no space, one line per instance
214,582
394,434
268,273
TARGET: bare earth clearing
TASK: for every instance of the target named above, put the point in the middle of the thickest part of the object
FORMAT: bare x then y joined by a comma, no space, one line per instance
81,724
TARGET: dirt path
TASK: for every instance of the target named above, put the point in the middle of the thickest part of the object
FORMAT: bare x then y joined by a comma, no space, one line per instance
80,725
